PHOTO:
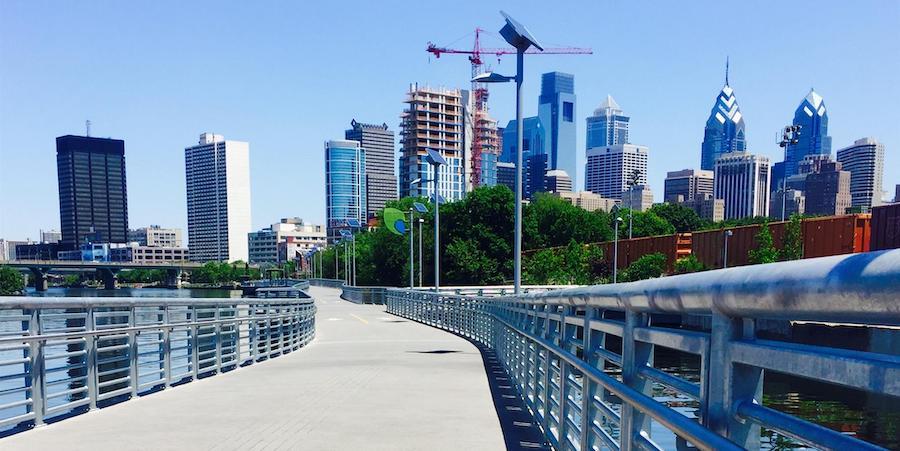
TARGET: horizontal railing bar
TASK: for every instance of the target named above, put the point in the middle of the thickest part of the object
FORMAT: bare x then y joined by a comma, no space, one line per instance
681,340
10,405
32,303
101,333
868,371
114,393
811,434
68,406
853,288
687,388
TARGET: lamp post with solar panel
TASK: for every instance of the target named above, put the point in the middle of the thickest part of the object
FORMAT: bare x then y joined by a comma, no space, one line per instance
516,35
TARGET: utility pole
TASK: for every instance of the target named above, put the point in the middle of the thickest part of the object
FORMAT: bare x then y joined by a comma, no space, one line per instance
789,136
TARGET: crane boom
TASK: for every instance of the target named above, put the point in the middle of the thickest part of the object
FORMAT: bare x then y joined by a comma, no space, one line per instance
485,128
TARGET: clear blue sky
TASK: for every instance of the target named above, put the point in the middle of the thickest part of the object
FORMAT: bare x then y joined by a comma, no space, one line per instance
286,76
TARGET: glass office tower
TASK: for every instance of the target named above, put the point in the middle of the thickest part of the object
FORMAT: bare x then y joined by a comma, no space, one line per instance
345,185
556,109
812,117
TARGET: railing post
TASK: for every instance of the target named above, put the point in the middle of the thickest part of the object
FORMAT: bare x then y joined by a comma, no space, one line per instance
731,383
634,356
90,359
36,352
218,329
195,345
133,352
167,348
590,342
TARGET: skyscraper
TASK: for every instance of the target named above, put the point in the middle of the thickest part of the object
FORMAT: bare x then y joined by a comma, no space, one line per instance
433,120
608,169
742,180
724,130
93,200
608,126
557,181
345,185
532,139
556,109
217,174
812,118
381,177
865,161
687,184
827,187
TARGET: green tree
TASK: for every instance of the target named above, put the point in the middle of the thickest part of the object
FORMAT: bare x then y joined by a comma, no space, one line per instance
645,223
792,246
11,281
682,218
765,251
576,264
689,264
646,267
549,221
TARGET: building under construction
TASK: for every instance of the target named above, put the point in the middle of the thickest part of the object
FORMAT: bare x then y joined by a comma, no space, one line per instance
433,119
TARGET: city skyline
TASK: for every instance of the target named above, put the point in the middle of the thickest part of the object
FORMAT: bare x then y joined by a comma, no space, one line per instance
155,113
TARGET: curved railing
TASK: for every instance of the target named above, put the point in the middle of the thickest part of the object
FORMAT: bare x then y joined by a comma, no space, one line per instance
59,356
556,349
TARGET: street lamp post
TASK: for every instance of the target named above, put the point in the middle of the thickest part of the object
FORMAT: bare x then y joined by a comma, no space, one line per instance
632,182
727,234
420,250
519,37
411,257
616,250
436,160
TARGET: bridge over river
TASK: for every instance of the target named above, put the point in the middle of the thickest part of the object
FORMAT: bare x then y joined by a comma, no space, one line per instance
564,369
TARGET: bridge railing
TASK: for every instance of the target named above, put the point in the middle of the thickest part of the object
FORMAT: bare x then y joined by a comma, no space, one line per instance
582,358
59,356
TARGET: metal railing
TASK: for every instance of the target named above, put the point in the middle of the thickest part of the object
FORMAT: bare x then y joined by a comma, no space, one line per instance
63,355
329,283
582,358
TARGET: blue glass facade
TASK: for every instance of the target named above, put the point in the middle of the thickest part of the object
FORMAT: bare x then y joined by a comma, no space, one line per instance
488,168
608,126
532,139
812,117
556,109
345,185
724,130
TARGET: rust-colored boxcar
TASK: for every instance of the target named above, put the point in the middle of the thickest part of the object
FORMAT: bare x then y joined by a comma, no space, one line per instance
836,235
832,235
886,227
672,246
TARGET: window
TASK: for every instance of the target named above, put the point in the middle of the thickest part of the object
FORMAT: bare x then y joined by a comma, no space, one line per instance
568,111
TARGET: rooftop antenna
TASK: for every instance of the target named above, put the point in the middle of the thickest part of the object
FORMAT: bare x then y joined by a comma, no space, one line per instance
726,71
87,126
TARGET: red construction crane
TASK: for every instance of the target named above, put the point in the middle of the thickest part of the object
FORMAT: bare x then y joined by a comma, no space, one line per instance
485,128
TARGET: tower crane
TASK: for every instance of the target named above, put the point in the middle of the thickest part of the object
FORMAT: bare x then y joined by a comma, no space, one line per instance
485,128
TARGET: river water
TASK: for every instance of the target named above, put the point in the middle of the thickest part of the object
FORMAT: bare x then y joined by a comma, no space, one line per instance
869,417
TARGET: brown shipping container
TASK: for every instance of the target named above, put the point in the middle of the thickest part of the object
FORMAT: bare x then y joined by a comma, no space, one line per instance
708,245
836,235
832,235
886,227
672,246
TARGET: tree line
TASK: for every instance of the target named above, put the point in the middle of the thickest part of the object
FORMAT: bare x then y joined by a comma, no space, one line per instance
477,242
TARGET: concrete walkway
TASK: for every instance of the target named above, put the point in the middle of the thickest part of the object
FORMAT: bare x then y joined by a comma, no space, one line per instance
369,380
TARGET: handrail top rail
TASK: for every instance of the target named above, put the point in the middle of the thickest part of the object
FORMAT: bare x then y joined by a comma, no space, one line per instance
855,288
34,302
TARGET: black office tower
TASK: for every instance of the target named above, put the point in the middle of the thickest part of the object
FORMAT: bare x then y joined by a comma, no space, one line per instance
381,177
93,202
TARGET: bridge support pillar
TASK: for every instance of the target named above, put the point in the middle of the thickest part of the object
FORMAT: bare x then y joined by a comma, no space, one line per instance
108,276
40,278
173,278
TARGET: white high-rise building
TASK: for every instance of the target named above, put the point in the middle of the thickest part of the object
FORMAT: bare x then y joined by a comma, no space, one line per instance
742,181
865,162
608,169
217,174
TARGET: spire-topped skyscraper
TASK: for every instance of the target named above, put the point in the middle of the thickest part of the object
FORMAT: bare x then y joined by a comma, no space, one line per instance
608,126
724,130
812,117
